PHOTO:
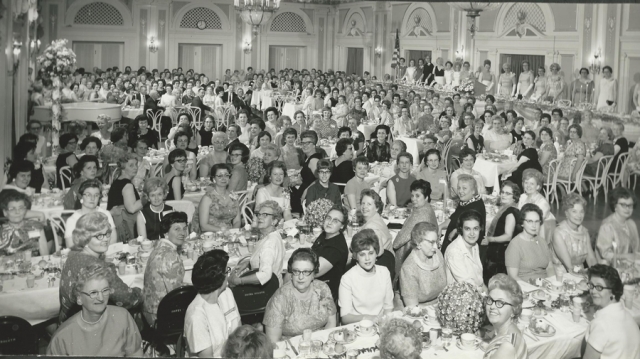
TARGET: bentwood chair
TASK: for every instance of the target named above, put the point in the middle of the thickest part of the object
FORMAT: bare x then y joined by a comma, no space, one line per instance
615,177
598,180
567,184
65,176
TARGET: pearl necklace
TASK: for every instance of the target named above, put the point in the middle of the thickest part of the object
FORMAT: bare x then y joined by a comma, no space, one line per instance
91,323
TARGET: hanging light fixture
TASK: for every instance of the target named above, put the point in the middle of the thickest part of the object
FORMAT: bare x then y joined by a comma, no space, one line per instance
473,10
256,12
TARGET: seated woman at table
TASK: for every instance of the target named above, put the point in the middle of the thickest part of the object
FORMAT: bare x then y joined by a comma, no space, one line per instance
90,243
423,275
265,263
469,200
365,290
140,150
123,200
467,161
475,141
343,165
462,256
144,131
618,233
213,313
526,159
379,148
605,148
66,158
173,178
218,155
322,187
164,271
113,151
238,158
104,129
502,229
292,155
149,218
357,184
398,187
248,342
548,151
273,189
325,127
532,181
89,193
181,141
612,333
528,256
219,209
183,119
85,169
331,248
571,241
371,206
206,131
86,333
20,177
18,234
433,173
400,340
264,138
503,306
421,211
301,303
26,151
576,151
496,139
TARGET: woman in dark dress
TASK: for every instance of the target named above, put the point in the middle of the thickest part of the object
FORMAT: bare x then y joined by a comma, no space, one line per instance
469,199
123,200
343,165
67,157
332,250
501,230
27,151
620,146
475,141
205,132
173,178
380,149
526,159
308,140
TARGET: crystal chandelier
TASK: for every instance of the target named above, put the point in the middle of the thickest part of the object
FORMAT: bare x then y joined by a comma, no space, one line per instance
256,12
473,10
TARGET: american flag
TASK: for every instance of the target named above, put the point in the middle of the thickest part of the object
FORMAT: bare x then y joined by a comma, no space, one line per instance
396,51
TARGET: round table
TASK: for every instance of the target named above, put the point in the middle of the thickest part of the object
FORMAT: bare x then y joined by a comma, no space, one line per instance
491,170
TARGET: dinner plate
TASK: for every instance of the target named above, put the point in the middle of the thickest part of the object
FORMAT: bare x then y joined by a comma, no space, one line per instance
361,334
332,353
550,333
540,295
421,312
349,340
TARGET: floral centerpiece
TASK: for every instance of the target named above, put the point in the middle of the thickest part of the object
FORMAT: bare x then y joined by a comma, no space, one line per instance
461,308
255,169
316,211
56,62
466,86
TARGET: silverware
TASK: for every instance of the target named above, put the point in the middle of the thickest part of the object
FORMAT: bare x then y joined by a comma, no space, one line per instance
295,351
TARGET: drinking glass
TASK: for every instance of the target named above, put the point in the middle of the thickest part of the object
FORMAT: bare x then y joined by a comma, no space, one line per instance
447,334
304,348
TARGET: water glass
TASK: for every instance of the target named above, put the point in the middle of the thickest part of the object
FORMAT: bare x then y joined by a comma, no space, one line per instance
447,335
304,348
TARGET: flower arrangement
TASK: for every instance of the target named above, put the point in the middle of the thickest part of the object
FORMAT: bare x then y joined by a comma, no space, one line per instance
460,307
466,86
255,169
316,211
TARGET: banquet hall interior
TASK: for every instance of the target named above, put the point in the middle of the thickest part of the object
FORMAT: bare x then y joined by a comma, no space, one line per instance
492,113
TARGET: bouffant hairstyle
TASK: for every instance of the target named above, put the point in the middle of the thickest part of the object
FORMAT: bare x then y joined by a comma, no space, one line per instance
430,152
175,154
529,207
360,160
66,138
533,173
578,129
342,144
511,287
304,254
423,186
11,195
515,189
94,183
610,276
95,270
375,196
79,166
399,339
469,215
277,210
571,200
125,158
466,152
270,167
90,139
172,218
87,226
20,166
153,183
621,193
364,240
248,342
210,271
241,147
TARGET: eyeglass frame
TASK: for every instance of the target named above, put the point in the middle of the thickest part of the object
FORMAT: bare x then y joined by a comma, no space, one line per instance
488,301
103,236
599,288
94,293
305,273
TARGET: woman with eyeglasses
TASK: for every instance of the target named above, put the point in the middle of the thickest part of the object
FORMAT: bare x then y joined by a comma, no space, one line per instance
612,333
238,158
89,195
213,314
528,256
164,271
86,333
618,233
302,303
265,263
67,157
85,169
503,306
322,187
331,248
219,209
91,238
173,178
181,141
532,181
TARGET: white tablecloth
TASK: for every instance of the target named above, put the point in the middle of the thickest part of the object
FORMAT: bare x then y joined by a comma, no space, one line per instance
289,109
491,170
367,130
131,112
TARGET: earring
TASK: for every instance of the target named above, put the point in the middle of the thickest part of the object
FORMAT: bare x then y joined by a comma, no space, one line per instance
612,297
81,201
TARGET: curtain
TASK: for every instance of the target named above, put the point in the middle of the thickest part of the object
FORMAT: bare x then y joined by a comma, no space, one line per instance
112,55
355,59
186,56
84,55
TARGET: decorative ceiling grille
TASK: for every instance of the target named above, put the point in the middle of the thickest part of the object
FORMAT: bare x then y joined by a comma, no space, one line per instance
99,13
533,16
192,17
288,22
425,20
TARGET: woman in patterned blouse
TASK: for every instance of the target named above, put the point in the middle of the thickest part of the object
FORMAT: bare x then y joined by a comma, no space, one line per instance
380,149
18,235
325,127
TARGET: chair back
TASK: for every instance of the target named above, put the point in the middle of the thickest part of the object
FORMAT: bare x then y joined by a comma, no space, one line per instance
246,210
157,170
65,175
253,298
195,116
57,221
17,337
173,114
155,117
171,312
185,206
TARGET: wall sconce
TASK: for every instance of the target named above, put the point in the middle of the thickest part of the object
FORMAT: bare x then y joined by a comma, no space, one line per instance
378,51
35,46
14,57
595,62
153,44
246,47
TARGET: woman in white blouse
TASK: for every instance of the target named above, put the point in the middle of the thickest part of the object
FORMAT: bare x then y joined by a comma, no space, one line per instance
410,72
532,181
274,190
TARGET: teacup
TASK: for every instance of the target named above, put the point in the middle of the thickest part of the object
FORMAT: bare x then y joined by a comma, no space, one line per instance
366,327
144,257
146,245
207,236
317,231
468,340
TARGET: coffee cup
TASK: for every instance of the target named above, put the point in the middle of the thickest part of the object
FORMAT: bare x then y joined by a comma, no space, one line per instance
144,257
280,354
366,326
317,231
207,236
468,340
146,245
525,315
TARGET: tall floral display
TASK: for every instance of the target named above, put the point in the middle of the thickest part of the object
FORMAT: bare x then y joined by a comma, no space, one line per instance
56,63
460,307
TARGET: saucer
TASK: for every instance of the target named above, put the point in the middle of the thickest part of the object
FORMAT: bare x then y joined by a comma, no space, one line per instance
475,347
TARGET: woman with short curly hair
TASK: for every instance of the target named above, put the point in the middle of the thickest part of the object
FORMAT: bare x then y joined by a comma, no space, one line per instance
618,233
123,200
91,241
90,194
400,340
571,241
99,321
149,218
248,342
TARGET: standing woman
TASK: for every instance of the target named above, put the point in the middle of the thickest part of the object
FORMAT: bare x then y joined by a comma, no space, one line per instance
502,229
507,82
410,72
486,77
123,200
438,71
555,84
606,91
448,73
582,88
173,178
525,81
539,85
